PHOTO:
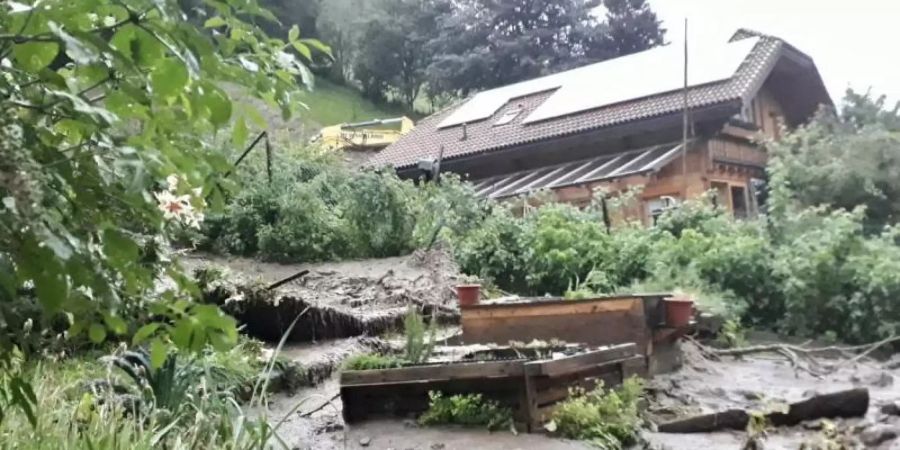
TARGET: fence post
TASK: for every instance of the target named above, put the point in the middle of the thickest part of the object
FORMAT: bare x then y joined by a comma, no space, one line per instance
268,158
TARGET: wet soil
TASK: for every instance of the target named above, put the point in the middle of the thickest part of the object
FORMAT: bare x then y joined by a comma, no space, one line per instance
701,386
334,300
761,383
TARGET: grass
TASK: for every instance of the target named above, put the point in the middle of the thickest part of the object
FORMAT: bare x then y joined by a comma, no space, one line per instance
71,416
331,104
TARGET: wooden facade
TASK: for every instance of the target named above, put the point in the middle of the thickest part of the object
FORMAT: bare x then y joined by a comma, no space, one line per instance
730,161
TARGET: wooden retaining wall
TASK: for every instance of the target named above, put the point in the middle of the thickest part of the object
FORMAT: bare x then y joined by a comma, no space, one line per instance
596,321
530,388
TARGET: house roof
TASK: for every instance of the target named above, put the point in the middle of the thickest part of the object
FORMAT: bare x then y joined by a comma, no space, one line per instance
456,132
601,168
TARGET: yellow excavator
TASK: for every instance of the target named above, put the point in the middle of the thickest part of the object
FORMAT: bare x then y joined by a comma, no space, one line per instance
370,135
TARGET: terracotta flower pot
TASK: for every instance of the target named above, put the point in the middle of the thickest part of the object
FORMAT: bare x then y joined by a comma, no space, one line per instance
468,294
679,311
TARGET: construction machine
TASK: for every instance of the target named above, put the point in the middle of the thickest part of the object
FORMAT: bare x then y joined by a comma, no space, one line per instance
369,135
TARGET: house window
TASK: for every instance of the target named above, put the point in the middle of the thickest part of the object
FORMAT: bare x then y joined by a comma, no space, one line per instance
749,114
739,202
657,206
508,116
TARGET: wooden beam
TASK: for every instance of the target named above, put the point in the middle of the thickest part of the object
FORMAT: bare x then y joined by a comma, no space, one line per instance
577,363
551,308
456,371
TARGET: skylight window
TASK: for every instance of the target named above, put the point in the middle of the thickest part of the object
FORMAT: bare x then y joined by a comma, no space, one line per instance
508,116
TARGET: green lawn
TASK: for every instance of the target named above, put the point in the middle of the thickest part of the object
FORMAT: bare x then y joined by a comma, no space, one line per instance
331,104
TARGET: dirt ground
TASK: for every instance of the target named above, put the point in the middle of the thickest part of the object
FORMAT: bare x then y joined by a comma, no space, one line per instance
755,383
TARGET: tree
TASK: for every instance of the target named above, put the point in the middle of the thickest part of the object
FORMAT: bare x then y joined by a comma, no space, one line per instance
108,110
842,162
489,43
631,27
391,49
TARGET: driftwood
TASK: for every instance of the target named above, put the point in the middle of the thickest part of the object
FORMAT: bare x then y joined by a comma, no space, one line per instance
802,358
851,403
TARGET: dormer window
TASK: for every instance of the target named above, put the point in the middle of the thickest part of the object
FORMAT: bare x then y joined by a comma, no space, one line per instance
508,116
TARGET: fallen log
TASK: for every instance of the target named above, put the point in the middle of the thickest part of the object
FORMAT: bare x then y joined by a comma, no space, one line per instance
851,403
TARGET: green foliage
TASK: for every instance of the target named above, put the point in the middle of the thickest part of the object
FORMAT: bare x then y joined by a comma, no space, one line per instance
108,112
842,162
483,43
322,212
467,410
732,334
80,404
419,338
371,361
608,419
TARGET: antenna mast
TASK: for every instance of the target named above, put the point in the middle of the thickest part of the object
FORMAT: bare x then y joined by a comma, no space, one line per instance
685,113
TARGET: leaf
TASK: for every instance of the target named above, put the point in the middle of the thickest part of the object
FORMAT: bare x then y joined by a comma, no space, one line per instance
214,22
169,78
120,250
158,352
318,45
302,49
97,333
294,33
115,323
34,56
23,397
144,332
182,333
75,49
216,103
16,7
239,132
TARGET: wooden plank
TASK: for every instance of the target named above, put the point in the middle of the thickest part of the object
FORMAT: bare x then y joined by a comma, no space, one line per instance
550,308
457,371
580,362
529,405
635,367
603,328
404,399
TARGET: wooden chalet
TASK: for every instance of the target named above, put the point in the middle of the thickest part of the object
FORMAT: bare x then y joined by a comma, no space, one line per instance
618,124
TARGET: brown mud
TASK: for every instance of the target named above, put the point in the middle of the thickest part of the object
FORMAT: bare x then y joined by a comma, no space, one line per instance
332,300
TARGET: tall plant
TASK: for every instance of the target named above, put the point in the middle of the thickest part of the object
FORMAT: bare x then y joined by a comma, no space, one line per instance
107,113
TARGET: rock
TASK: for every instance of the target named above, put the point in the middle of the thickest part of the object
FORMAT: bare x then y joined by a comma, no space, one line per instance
879,379
893,363
364,442
437,446
878,434
410,423
813,425
891,409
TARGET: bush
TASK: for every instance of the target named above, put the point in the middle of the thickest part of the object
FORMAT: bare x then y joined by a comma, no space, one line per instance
371,361
316,212
608,419
467,410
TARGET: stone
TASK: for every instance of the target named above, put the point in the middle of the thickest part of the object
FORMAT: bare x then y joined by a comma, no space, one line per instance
364,442
880,379
813,424
878,434
437,446
891,409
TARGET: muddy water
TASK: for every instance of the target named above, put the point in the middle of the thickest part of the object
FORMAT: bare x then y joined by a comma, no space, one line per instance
760,383
755,383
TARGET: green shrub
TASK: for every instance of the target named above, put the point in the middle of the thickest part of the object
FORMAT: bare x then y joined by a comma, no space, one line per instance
371,361
467,410
419,337
608,419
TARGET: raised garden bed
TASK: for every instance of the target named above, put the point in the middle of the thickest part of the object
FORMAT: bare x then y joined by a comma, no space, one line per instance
638,319
530,387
